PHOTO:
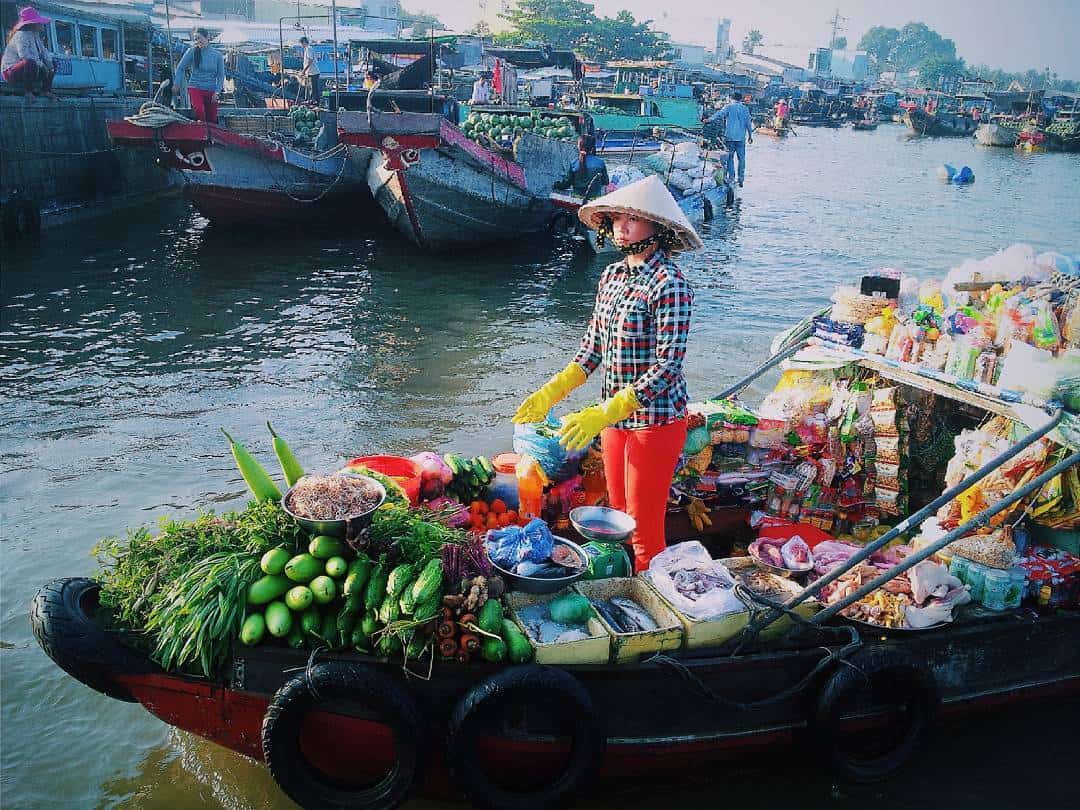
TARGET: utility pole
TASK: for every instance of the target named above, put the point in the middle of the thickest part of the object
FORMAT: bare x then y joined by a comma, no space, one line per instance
837,27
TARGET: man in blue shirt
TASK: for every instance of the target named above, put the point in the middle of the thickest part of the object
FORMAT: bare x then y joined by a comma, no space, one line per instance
738,131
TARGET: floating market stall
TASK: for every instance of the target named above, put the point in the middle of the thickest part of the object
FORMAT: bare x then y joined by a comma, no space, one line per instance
471,626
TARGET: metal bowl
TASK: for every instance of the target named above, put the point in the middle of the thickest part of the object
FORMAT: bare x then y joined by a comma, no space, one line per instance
582,516
786,573
541,585
335,528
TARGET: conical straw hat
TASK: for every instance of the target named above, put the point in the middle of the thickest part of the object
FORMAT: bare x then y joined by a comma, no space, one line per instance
649,199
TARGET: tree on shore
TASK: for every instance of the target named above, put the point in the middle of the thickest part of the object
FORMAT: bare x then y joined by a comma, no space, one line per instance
752,40
573,25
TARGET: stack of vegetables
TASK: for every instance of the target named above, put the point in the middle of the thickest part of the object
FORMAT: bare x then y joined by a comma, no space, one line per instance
407,585
471,621
504,129
471,477
305,123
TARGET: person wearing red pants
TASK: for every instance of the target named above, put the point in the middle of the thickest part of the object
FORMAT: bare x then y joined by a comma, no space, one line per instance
638,332
207,76
26,64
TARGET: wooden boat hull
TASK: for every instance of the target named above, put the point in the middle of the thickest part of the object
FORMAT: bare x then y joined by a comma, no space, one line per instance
773,132
234,177
864,126
440,189
982,661
921,122
996,135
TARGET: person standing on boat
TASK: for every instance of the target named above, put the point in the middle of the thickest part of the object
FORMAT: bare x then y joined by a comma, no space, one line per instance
481,91
588,176
738,131
310,72
207,76
27,64
638,332
782,110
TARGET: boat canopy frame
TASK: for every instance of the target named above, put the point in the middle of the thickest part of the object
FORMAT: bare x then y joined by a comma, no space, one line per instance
796,341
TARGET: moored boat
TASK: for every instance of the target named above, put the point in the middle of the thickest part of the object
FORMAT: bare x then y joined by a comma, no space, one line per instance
994,134
236,176
940,123
386,740
440,188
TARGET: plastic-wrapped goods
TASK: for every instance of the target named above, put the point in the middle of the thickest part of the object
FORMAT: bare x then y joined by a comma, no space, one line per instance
850,306
962,357
768,433
625,175
694,583
679,179
1044,330
699,186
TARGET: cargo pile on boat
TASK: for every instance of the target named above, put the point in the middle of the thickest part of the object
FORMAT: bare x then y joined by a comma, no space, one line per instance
442,558
851,441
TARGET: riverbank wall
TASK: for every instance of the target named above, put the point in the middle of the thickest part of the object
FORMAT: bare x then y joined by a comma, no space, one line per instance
57,164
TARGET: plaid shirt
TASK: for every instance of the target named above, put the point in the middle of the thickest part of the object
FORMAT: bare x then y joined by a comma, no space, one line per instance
638,331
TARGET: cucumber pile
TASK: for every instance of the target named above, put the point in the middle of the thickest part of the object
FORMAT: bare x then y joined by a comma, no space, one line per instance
503,129
471,477
331,597
305,123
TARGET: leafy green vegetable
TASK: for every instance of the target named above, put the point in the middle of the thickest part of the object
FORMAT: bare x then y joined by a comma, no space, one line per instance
202,610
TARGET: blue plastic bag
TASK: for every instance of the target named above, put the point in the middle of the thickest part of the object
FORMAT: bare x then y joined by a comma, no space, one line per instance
514,544
541,441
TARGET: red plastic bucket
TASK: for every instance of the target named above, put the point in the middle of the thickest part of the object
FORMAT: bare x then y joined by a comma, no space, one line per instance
405,472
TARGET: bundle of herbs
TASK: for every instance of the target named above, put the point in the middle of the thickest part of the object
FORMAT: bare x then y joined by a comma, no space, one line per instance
404,534
137,571
201,611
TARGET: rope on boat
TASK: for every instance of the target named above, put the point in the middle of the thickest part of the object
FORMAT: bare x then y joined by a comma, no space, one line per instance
308,669
332,152
753,602
154,116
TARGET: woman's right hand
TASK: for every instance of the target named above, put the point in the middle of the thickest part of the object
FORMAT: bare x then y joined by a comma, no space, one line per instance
534,408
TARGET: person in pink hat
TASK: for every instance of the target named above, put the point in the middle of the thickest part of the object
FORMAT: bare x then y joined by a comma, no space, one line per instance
27,63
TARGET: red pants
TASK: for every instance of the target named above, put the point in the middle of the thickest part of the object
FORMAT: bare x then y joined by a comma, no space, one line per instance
203,104
28,75
639,465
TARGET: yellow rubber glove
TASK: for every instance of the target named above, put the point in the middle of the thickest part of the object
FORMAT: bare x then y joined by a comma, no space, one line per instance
536,406
581,427
699,514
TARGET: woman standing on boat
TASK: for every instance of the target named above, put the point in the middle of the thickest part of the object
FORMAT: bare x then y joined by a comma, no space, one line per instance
638,332
207,79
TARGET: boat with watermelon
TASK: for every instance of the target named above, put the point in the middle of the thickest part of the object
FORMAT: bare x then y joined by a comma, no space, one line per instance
443,185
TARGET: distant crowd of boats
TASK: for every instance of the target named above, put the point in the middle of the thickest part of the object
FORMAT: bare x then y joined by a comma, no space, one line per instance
400,144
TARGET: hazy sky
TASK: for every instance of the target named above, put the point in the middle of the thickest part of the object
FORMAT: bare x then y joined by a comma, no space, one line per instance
1010,34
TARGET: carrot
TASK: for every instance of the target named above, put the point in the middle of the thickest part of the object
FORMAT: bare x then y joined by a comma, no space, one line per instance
446,630
448,648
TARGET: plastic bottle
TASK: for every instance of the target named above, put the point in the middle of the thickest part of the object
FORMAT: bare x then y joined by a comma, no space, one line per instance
531,482
505,485
995,588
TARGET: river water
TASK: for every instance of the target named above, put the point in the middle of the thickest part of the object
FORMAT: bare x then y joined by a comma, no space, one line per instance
126,343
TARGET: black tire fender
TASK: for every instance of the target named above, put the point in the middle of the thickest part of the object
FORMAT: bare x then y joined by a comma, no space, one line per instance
565,697
357,683
61,617
885,670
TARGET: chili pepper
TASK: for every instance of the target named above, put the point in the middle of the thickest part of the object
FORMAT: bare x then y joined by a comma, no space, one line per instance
256,477
290,467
